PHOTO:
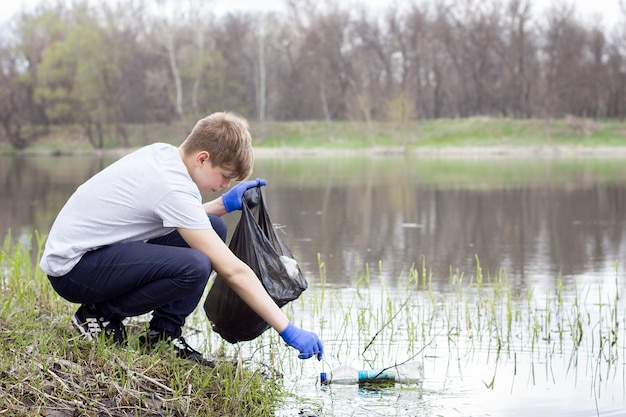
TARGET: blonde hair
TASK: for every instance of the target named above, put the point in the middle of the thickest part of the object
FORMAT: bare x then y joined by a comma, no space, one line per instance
226,138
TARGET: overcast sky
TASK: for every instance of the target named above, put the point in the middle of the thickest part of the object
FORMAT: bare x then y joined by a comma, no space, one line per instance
607,9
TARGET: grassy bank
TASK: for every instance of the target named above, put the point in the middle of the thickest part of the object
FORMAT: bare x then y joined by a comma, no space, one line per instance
408,136
47,369
470,132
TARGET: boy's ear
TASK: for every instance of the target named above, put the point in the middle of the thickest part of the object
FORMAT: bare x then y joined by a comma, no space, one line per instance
202,157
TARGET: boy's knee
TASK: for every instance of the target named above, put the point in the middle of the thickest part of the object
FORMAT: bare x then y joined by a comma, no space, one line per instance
198,266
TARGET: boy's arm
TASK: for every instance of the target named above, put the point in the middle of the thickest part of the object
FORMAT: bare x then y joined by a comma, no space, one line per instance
215,207
238,275
245,283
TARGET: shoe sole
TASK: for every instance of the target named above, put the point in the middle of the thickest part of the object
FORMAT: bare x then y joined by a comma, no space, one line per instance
90,336
168,345
81,329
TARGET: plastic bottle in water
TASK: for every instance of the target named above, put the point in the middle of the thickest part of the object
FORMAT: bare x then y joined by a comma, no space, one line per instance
405,373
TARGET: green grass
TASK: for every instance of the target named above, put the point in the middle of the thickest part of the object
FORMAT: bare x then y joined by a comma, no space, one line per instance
356,135
476,131
514,132
46,368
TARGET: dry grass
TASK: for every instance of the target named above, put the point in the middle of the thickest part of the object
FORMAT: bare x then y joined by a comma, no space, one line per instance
48,369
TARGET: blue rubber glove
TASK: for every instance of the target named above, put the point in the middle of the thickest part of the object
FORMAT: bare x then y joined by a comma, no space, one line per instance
232,198
306,342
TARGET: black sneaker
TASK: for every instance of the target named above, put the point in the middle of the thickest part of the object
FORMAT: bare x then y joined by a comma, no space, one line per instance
91,324
177,344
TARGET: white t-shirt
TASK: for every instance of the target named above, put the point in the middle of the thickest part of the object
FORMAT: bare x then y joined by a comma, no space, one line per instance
145,194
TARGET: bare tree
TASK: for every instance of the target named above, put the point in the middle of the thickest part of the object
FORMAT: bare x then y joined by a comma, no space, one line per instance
518,58
106,66
563,57
13,97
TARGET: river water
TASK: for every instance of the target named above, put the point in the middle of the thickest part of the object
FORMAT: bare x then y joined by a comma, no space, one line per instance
503,276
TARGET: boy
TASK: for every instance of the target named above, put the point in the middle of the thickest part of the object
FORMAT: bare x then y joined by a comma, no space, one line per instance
136,238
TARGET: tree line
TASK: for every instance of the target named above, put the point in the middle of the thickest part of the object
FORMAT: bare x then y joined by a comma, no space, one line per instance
103,66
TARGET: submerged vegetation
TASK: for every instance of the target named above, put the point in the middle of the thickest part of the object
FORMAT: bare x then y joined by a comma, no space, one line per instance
560,329
483,310
47,369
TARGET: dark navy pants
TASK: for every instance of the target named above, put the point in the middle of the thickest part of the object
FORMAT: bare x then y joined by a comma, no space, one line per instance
162,275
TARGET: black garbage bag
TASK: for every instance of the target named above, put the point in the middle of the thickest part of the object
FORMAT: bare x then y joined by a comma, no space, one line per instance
255,242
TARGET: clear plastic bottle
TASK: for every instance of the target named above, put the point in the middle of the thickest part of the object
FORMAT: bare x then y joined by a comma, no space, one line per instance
341,375
405,373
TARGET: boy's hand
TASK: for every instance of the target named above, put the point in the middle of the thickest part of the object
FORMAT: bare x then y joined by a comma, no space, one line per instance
306,342
232,198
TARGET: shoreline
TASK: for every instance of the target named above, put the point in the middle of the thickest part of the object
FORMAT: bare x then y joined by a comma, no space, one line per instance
512,151
453,152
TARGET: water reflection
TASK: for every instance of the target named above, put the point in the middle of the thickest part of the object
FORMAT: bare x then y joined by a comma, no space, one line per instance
529,218
34,188
536,219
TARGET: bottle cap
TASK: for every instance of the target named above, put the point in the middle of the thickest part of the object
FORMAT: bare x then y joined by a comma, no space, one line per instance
323,377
